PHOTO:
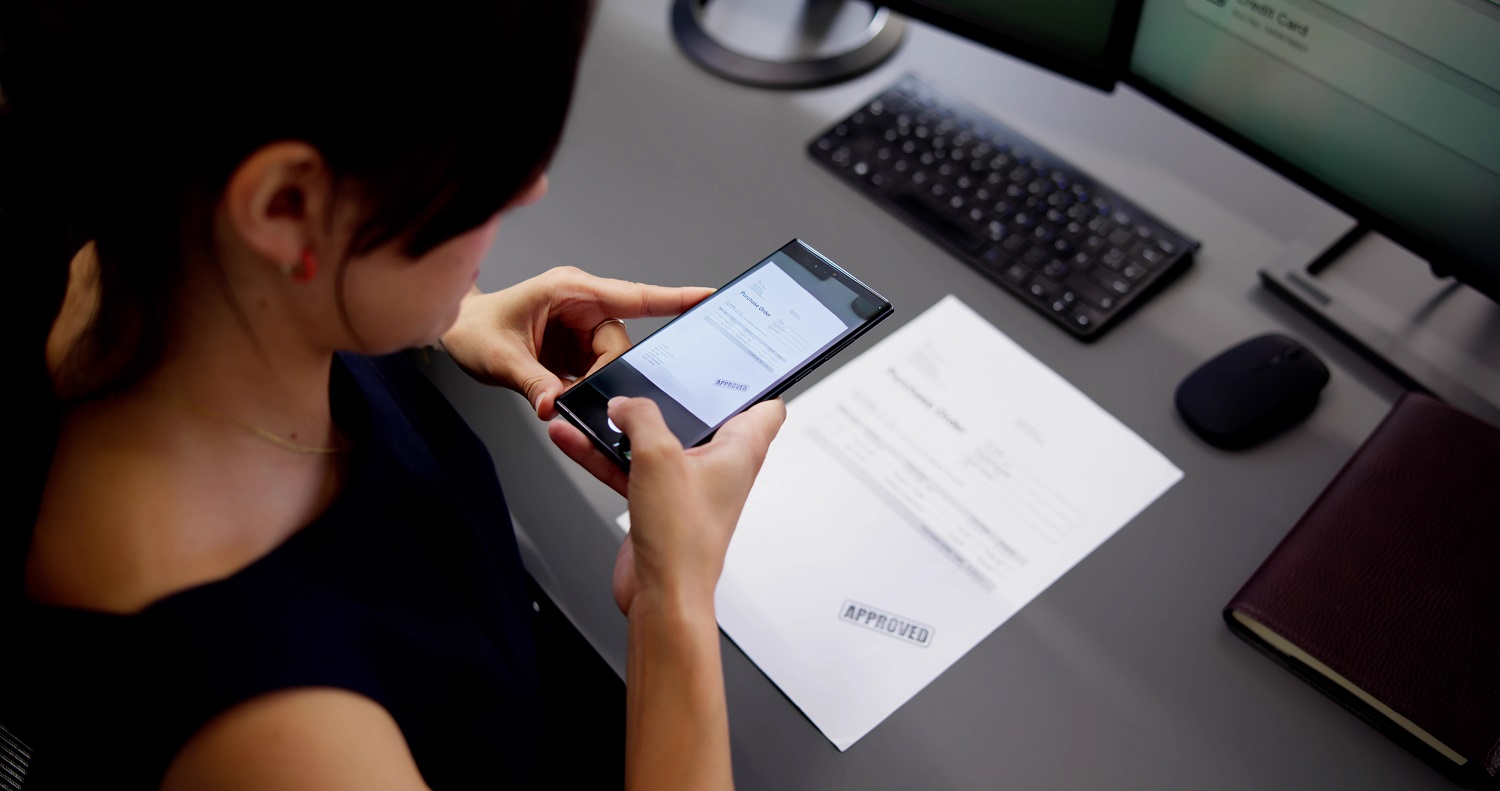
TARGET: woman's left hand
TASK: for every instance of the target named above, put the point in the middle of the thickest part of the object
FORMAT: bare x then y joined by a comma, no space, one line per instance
538,334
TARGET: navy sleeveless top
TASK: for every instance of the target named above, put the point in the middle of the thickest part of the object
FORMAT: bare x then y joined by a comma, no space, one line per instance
409,590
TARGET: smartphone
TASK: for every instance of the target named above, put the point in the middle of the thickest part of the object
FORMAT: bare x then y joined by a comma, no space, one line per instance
749,341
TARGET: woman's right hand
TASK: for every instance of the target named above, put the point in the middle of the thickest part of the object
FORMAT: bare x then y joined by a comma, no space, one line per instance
684,503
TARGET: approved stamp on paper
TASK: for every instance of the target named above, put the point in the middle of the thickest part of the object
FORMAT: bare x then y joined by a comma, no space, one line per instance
890,624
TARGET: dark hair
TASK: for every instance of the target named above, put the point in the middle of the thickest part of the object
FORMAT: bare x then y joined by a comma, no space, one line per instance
122,124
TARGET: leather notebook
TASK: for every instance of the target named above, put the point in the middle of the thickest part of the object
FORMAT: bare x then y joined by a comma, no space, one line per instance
1386,594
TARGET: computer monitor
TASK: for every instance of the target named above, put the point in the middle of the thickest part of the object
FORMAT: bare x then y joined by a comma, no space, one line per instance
1388,109
1088,40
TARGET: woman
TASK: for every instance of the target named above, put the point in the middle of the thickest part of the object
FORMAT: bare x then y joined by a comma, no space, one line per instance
264,555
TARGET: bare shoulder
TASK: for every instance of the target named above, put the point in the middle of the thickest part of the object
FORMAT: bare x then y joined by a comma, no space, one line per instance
306,738
122,524
93,545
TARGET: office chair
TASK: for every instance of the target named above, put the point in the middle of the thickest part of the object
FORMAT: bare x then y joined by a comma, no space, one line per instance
15,756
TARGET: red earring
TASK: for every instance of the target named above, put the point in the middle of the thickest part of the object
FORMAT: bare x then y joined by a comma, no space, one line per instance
307,268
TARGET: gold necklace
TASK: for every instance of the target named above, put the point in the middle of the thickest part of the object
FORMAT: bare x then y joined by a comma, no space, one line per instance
269,436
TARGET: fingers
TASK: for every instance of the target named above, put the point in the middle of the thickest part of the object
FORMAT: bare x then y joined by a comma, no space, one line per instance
540,386
626,300
610,341
641,421
577,447
599,363
753,429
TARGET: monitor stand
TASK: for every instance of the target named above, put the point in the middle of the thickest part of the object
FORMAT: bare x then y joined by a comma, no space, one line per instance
1429,334
786,43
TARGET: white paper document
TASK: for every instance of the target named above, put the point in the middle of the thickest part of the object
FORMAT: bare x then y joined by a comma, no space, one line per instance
914,501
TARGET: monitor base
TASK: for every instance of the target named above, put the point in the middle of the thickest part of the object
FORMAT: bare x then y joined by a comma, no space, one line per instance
800,67
1435,336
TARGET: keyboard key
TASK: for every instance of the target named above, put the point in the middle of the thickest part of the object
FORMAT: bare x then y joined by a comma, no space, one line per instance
1112,282
994,259
1085,319
1089,293
1043,292
948,230
1056,270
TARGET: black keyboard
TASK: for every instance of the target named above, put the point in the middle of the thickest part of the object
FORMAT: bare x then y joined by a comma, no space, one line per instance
1061,241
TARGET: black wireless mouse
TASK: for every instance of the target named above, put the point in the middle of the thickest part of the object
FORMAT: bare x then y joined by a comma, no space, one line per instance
1251,392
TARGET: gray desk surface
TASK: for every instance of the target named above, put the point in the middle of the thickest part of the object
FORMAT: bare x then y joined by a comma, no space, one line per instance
1122,674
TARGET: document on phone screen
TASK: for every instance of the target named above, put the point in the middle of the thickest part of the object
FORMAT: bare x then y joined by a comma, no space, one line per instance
913,502
738,343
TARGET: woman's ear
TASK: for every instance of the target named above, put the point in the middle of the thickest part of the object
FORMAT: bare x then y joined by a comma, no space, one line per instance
277,201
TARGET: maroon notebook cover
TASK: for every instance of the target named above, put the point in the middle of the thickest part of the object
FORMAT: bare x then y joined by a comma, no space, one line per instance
1392,580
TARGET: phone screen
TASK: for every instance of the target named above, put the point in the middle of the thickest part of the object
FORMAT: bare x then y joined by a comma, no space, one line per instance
748,341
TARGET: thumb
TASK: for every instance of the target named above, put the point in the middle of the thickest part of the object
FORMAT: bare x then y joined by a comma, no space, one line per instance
746,437
540,386
640,420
